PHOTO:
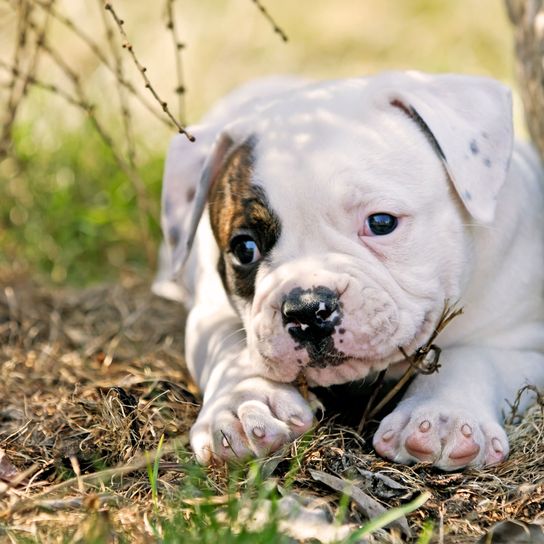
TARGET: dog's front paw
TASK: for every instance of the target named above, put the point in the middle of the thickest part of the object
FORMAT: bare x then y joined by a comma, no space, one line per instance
253,418
446,436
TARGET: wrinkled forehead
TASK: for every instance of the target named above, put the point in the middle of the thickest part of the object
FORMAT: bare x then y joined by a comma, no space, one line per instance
330,159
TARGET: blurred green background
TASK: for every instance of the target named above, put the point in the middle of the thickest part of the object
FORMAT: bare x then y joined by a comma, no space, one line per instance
70,214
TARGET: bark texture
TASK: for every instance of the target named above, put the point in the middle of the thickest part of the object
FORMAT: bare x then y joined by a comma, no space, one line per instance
528,19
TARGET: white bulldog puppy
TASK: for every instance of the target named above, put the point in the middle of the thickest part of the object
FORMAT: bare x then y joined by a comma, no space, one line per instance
331,221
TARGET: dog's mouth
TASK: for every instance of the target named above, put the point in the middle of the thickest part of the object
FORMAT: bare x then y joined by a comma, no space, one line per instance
324,362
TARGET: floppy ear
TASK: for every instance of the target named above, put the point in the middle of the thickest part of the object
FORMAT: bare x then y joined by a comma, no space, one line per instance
189,172
182,242
190,169
469,122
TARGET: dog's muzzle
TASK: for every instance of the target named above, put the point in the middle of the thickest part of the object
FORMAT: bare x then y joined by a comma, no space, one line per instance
310,315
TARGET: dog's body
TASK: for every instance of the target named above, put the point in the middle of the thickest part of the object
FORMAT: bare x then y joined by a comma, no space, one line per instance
338,219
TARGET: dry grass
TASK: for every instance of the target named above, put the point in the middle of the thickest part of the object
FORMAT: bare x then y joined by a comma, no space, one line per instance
92,379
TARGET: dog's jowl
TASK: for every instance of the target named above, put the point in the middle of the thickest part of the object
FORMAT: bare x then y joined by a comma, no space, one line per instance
320,228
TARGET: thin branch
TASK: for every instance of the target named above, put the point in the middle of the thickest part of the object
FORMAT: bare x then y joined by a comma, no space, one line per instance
178,47
142,69
95,49
16,92
424,360
269,18
139,462
131,173
125,112
43,85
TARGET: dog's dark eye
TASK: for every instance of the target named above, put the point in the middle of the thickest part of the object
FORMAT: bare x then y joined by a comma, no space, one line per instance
244,250
382,223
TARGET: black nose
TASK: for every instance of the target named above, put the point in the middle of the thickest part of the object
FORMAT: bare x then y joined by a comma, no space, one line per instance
310,314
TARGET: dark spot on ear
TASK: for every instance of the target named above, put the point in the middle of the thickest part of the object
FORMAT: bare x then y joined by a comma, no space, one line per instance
474,149
341,331
487,162
174,235
467,195
190,194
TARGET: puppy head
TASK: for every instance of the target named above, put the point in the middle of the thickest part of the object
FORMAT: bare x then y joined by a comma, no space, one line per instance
341,216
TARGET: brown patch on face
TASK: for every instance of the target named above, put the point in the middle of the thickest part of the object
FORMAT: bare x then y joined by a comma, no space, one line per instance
236,206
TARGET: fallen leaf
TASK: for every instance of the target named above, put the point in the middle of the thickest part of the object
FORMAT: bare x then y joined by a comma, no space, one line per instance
514,532
383,486
8,471
297,520
368,506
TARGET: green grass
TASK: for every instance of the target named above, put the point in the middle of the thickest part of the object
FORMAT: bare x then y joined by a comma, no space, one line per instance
70,216
69,212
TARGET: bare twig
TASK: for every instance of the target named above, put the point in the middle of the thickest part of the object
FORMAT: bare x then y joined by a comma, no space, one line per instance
130,171
103,476
269,18
142,69
125,112
376,388
425,360
53,505
515,414
178,47
43,85
100,55
17,92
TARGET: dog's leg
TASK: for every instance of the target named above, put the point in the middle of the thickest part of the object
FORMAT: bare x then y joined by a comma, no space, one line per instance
453,418
243,414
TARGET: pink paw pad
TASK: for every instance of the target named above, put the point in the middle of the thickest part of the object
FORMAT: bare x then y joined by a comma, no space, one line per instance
466,449
420,443
386,444
496,452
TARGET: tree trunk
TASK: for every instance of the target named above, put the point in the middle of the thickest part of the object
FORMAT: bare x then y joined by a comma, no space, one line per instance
528,18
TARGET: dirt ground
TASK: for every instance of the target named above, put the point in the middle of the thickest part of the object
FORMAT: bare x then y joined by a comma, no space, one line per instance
91,379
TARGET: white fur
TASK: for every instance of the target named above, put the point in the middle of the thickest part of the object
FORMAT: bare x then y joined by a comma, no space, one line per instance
470,230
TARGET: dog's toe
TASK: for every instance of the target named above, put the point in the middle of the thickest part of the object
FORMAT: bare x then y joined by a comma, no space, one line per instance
443,435
496,444
254,418
263,431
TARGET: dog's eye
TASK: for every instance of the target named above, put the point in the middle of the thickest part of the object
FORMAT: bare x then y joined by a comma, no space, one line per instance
244,250
380,224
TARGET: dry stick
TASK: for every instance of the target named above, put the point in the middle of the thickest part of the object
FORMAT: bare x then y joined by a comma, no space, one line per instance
95,49
50,87
53,505
132,174
142,69
267,15
14,98
178,46
32,66
418,363
139,463
125,112
377,387
514,406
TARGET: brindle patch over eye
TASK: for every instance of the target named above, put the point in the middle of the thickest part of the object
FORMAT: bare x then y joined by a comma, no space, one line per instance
236,205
